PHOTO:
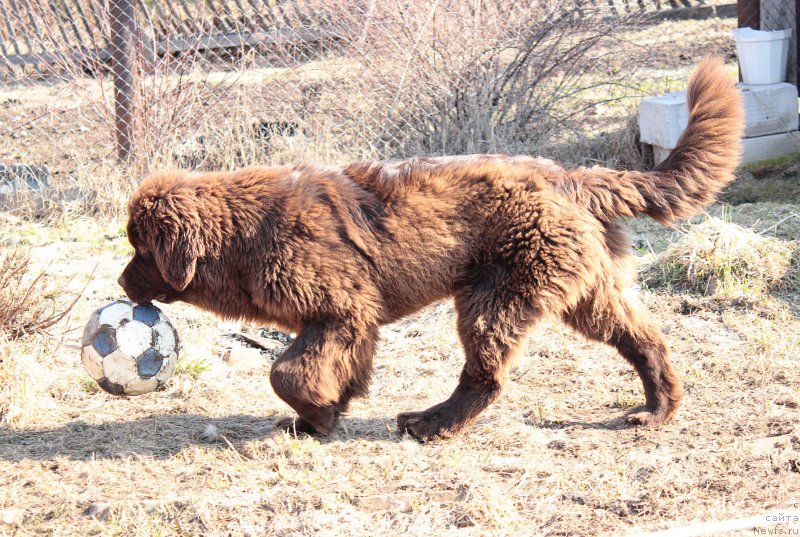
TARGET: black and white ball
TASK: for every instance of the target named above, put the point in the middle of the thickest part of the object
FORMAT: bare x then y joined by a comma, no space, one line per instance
129,349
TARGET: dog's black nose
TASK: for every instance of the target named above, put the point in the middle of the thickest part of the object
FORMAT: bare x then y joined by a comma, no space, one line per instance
121,281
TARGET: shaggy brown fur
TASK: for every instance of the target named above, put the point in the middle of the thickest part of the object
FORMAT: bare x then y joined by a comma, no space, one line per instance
334,252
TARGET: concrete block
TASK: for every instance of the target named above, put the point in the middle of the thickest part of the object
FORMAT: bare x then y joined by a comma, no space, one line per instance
769,109
660,153
754,149
662,119
16,177
769,147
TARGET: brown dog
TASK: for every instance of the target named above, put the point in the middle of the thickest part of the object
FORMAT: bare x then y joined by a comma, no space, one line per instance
334,252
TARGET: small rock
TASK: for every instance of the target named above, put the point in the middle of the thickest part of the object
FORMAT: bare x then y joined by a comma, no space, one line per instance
98,511
11,517
243,358
150,506
401,502
211,433
620,508
447,496
283,337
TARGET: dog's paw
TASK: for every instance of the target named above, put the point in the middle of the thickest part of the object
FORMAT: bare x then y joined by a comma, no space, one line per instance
642,416
423,426
294,425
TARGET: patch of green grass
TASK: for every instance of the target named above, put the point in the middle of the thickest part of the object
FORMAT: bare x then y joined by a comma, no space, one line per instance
87,384
626,399
776,162
779,190
776,180
23,234
192,367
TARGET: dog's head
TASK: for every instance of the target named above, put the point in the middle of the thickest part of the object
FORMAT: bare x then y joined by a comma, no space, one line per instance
165,230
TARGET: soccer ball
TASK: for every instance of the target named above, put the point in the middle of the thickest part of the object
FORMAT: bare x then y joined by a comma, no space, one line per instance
129,349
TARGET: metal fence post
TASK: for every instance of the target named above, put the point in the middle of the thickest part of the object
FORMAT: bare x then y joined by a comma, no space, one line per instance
123,64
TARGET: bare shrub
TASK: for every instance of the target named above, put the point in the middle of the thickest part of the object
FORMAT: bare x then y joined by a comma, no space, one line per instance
453,77
350,80
27,304
616,145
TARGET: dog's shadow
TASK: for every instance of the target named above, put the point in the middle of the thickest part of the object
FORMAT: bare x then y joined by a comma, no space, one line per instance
614,424
163,436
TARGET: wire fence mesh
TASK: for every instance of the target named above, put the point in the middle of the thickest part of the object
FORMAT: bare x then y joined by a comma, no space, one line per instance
211,84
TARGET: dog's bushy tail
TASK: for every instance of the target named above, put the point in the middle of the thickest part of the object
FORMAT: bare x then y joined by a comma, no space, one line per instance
695,171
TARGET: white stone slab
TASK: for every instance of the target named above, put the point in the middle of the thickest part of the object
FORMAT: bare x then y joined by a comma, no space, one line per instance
769,109
660,153
662,119
769,147
754,149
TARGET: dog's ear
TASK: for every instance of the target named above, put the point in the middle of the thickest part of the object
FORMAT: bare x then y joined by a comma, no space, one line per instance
169,225
176,251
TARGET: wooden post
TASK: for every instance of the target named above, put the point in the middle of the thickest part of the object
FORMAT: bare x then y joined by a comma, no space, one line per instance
749,13
123,50
796,42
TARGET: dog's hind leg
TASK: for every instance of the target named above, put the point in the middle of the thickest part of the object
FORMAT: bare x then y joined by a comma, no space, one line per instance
326,366
533,262
491,324
618,319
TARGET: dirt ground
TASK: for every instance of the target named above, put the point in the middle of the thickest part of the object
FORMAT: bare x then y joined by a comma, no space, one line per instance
552,457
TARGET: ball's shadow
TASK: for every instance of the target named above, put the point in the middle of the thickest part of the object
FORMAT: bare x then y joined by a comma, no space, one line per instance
163,436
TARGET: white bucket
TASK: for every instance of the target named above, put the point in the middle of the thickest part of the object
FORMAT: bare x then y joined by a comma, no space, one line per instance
762,55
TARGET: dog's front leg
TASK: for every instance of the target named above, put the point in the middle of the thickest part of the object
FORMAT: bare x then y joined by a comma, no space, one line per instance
327,365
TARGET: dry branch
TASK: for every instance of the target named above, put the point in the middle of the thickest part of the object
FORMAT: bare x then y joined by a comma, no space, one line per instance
27,306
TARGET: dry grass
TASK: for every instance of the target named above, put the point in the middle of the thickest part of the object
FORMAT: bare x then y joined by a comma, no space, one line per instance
404,87
97,190
719,257
30,305
551,457
450,78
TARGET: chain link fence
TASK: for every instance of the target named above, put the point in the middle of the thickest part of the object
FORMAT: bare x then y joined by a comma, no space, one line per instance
211,84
